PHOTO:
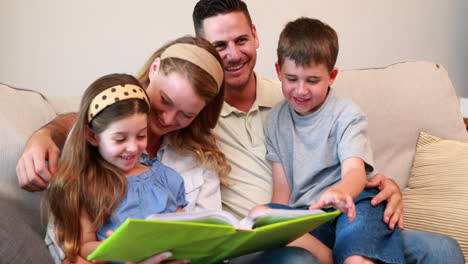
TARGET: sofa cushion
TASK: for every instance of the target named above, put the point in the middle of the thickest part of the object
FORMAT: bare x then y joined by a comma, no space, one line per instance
401,100
436,198
22,112
19,244
65,104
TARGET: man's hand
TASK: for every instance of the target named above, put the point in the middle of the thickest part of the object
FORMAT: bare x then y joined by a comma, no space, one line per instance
389,191
338,199
31,169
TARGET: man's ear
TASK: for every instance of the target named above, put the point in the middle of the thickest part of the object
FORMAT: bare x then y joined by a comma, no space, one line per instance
255,35
154,68
91,137
333,75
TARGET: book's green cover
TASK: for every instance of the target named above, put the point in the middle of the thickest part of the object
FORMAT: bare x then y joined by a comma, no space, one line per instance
201,242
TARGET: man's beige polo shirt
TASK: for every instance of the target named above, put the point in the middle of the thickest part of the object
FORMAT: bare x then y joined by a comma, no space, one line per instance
241,139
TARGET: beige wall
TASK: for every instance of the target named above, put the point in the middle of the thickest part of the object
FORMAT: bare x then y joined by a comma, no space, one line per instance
59,47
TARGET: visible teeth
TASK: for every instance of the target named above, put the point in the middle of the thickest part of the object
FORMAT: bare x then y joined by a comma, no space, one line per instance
234,68
300,100
126,158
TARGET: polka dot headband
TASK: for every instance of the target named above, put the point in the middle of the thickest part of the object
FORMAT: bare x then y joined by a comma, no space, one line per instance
115,94
198,56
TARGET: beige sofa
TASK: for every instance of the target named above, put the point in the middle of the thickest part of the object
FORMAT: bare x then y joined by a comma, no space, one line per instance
401,100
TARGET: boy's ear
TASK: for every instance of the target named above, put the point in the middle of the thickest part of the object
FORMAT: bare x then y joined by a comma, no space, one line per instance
278,70
154,68
91,137
333,75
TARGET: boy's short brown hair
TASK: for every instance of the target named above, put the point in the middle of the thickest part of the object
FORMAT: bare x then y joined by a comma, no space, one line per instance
306,40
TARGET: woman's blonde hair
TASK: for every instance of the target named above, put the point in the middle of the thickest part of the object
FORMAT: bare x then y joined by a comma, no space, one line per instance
84,180
197,138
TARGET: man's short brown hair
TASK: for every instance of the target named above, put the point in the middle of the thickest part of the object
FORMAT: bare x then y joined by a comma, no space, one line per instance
210,8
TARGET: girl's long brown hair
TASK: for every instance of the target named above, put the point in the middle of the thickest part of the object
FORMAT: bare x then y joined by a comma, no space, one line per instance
84,180
197,138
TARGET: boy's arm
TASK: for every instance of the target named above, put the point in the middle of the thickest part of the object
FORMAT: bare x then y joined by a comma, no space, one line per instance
353,175
281,190
342,194
44,145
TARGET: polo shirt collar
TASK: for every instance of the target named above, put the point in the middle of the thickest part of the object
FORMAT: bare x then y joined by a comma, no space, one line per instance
262,98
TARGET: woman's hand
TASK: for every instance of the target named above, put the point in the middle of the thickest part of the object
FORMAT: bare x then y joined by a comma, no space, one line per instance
390,192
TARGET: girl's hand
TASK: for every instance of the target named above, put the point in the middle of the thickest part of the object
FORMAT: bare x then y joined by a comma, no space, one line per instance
160,258
339,200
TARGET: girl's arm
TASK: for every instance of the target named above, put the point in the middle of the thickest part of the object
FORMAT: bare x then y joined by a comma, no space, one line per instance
88,241
342,194
281,190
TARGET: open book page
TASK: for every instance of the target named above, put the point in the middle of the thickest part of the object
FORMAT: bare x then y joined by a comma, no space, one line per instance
270,216
206,217
255,219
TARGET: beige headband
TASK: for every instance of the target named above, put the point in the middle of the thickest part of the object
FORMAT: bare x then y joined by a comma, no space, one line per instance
115,94
198,56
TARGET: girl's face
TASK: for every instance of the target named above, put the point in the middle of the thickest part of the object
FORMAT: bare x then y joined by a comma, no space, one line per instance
174,103
122,142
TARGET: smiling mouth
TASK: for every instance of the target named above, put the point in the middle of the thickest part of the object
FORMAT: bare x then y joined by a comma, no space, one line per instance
234,68
300,100
127,157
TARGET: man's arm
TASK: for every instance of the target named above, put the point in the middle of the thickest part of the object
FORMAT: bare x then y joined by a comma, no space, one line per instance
390,192
44,145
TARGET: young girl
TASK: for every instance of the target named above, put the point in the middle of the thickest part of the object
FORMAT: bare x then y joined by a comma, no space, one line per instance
100,182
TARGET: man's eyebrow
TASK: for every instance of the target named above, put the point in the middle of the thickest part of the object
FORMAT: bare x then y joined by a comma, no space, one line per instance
243,36
218,42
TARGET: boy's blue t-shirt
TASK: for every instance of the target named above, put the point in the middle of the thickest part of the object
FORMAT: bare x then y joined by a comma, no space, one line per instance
311,148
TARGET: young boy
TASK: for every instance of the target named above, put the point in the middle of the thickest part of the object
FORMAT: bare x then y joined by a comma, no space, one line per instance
319,148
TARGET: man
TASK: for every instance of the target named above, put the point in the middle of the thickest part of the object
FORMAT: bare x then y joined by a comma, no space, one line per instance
248,97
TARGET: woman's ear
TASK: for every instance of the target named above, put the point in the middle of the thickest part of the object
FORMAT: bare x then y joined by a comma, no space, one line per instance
154,68
91,137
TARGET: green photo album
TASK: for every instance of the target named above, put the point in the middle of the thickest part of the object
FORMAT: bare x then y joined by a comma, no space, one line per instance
208,236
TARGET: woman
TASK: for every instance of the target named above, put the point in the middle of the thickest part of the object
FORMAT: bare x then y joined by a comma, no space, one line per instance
184,81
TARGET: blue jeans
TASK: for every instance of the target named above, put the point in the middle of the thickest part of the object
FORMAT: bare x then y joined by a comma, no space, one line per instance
429,248
421,247
367,235
282,255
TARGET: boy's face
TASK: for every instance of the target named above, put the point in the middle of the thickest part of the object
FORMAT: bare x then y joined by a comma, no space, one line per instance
236,42
305,87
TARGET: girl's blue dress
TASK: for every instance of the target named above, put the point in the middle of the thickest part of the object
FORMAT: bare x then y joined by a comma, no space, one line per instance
158,190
